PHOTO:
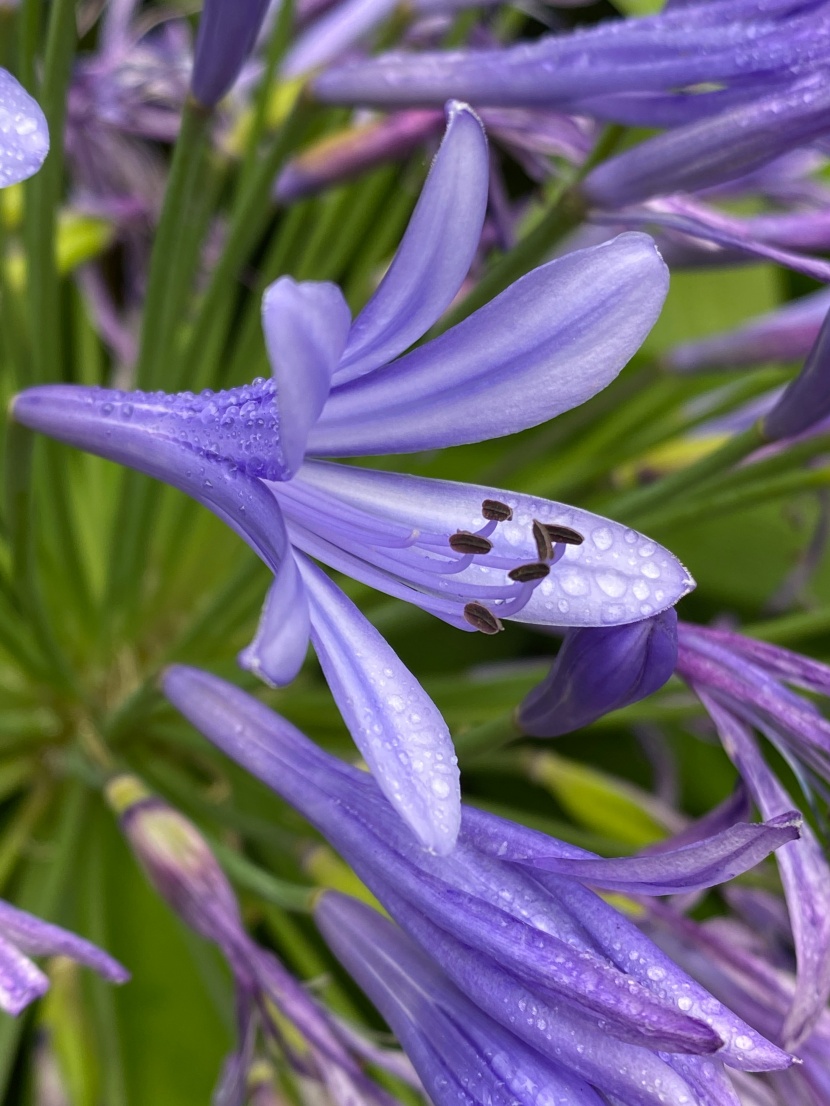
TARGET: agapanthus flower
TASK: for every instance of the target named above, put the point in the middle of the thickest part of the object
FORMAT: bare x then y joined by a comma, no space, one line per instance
508,915
474,556
22,936
227,33
184,871
24,135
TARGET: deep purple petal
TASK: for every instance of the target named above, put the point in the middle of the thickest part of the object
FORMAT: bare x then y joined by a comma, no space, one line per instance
804,874
306,326
24,135
548,343
601,670
394,723
689,868
227,33
806,400
37,938
434,255
616,575
277,652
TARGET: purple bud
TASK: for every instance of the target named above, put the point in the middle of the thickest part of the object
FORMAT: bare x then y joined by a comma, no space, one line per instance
227,33
806,400
600,670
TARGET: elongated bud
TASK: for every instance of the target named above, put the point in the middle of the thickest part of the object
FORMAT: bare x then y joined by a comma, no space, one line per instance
600,670
176,858
806,400
227,33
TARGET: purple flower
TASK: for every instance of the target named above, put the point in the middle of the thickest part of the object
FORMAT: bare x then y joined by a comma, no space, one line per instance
228,30
508,918
21,936
473,556
24,136
181,867
742,684
806,400
600,670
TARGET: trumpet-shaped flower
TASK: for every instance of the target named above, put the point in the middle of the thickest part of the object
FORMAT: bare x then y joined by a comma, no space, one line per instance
24,136
258,456
509,917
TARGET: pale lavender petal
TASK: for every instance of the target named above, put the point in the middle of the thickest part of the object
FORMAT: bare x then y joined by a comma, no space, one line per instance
24,135
804,874
394,723
453,1044
333,33
434,255
306,326
39,938
527,356
277,652
21,981
616,575
689,868
785,334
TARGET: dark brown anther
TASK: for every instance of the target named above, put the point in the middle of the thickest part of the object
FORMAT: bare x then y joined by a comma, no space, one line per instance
482,619
544,546
563,534
494,511
524,574
465,542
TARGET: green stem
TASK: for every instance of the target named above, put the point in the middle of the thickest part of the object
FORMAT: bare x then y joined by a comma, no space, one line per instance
792,627
246,874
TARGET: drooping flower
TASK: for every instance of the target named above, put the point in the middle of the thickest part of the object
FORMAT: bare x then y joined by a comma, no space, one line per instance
181,867
22,936
509,919
24,135
471,555
742,684
600,670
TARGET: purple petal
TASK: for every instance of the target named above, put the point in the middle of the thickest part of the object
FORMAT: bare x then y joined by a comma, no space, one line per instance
434,256
453,1044
38,938
601,670
175,439
552,340
227,33
21,981
689,868
616,575
279,649
783,663
785,334
345,24
804,874
24,135
306,326
394,723
806,400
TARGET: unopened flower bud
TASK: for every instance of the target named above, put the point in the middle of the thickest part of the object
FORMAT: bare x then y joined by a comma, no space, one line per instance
176,858
600,670
227,33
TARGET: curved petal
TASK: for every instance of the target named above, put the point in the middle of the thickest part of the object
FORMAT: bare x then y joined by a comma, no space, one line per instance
306,325
38,938
394,723
277,652
21,981
615,576
435,253
690,868
333,33
24,135
548,343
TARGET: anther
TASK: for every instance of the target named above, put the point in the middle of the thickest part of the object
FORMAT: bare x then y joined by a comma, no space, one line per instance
544,545
525,574
563,534
465,542
494,511
482,619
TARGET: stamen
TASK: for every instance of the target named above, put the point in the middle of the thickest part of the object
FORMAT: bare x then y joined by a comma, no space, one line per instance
494,511
544,545
524,574
465,542
482,619
563,534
